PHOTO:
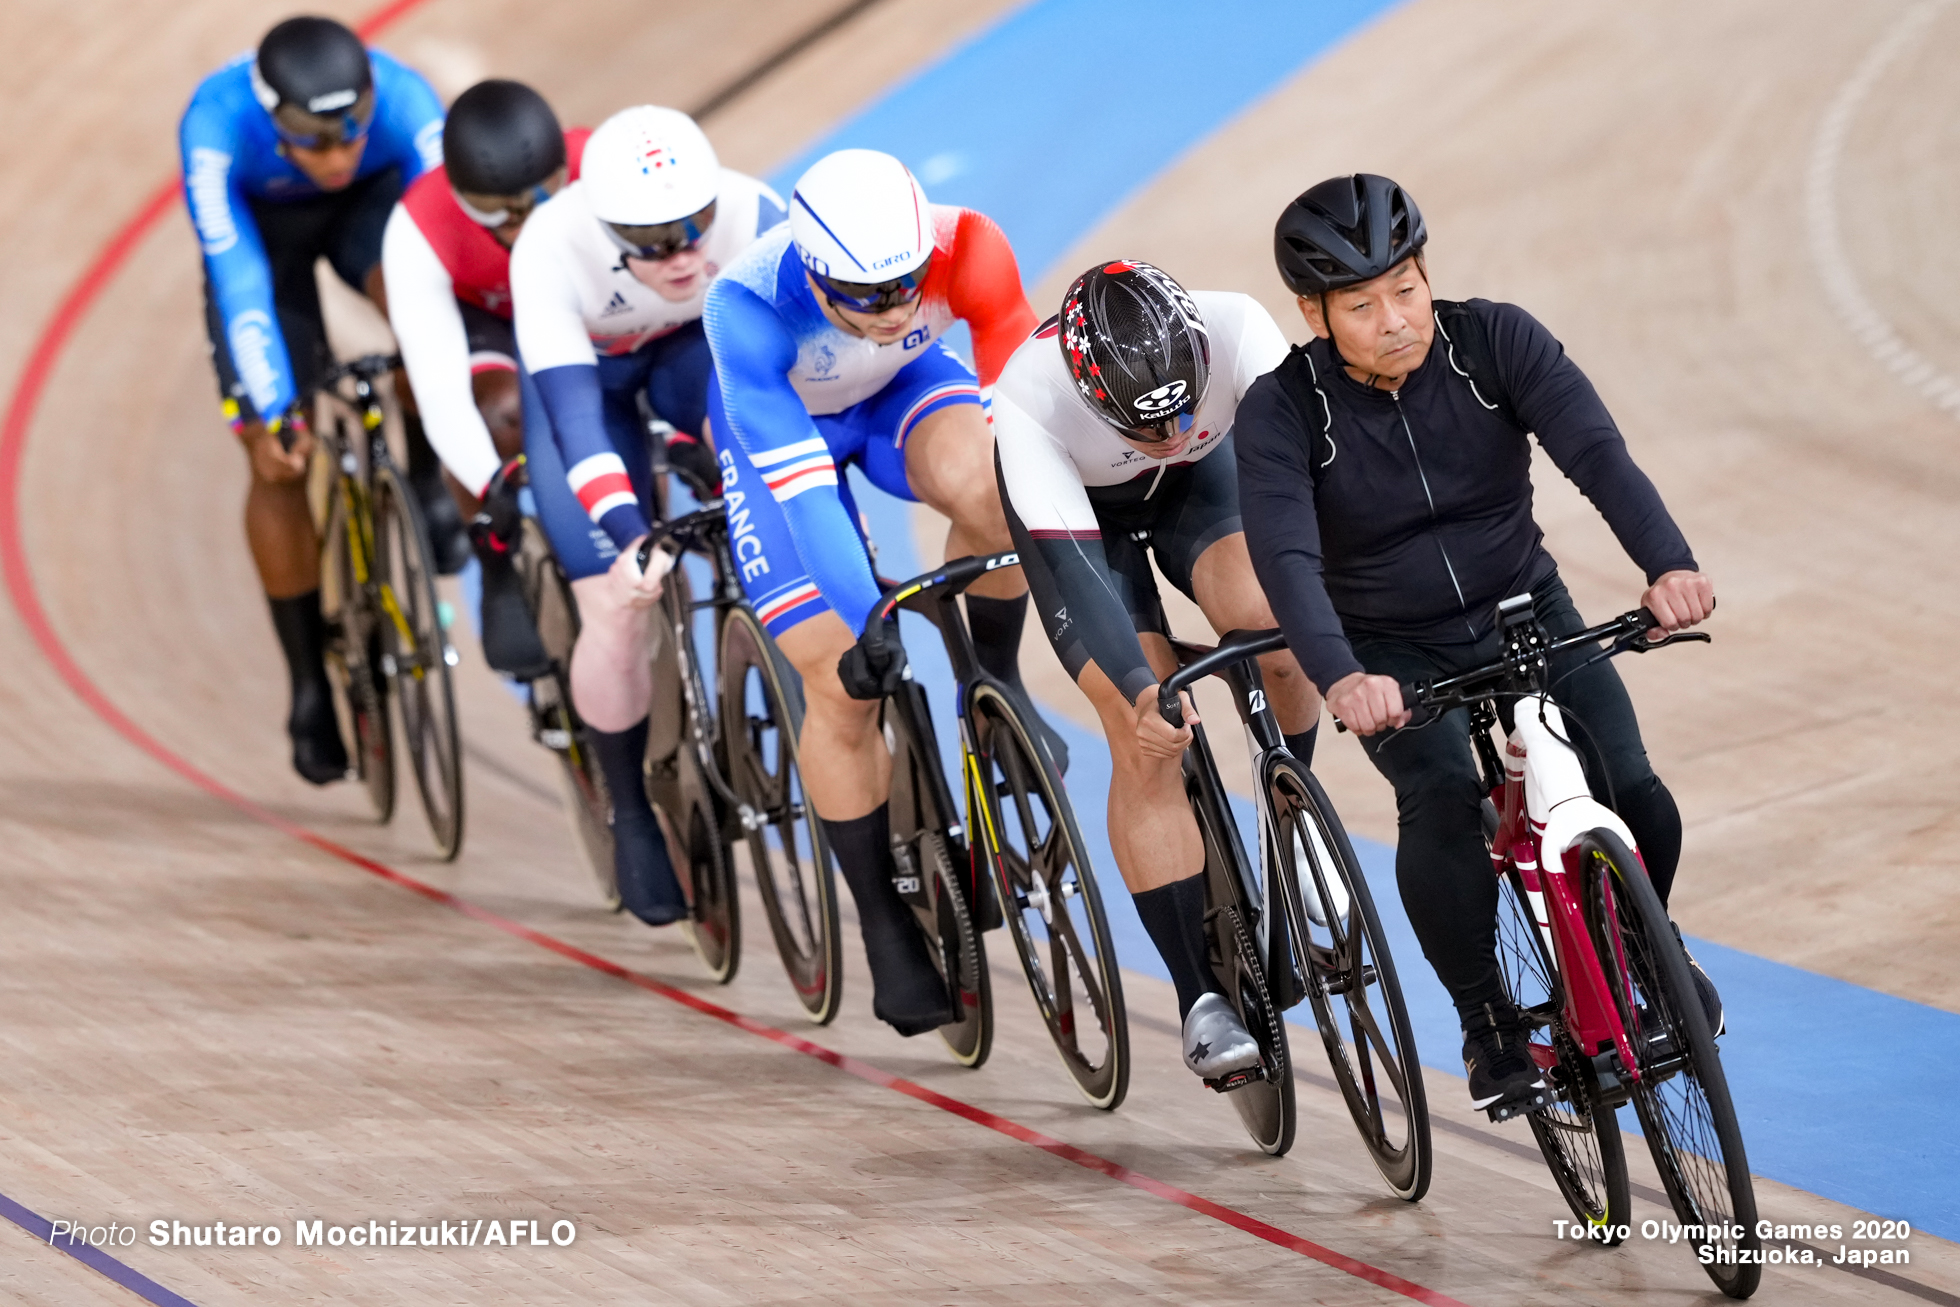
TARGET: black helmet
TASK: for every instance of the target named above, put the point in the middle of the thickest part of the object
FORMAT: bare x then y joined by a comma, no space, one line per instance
1345,231
312,76
1137,348
501,138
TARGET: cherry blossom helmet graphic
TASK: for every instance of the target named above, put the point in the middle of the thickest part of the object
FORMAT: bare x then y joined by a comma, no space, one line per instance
651,178
1137,349
863,230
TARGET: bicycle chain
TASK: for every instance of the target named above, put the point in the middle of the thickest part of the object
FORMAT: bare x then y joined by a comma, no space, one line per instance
1269,1046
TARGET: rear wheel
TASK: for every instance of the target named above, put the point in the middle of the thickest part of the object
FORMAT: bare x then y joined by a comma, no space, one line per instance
1350,978
1681,1092
354,643
761,713
1049,898
417,656
588,804
1579,1136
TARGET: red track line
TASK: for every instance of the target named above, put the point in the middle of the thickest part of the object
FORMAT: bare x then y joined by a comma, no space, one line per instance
14,430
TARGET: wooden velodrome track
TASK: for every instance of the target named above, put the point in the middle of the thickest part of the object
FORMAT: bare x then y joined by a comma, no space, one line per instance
208,1019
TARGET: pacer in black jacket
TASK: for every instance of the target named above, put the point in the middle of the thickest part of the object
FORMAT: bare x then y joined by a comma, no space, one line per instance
1384,481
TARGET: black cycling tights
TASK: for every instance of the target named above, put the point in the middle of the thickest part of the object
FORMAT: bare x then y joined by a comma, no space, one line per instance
1441,865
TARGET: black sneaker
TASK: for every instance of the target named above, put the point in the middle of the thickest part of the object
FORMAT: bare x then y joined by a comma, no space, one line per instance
1497,1058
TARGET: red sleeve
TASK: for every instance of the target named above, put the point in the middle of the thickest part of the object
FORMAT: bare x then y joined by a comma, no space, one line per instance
985,290
575,138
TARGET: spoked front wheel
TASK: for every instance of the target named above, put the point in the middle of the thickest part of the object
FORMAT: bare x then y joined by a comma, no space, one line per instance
1681,1093
417,656
761,714
354,643
1579,1137
1336,937
1048,895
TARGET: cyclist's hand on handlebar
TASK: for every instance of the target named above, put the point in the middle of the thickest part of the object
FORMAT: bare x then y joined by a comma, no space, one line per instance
272,460
630,587
1366,704
1679,600
1157,738
874,666
494,528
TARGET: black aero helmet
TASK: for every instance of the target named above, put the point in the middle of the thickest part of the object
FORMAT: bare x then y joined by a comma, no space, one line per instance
1137,348
501,138
312,75
1345,231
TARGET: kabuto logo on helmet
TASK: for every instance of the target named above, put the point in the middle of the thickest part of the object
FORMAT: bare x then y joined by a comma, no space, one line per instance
332,100
1164,399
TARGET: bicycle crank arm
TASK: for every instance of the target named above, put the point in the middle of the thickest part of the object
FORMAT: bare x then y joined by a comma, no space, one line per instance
1239,1079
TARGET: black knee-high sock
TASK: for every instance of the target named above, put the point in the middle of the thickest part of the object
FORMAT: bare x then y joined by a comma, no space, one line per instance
303,638
907,992
645,870
996,625
1174,916
1301,745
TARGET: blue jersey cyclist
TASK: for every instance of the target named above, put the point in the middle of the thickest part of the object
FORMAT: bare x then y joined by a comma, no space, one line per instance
828,351
607,280
295,152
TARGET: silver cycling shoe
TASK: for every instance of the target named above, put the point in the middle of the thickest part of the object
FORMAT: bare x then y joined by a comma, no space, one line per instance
1216,1042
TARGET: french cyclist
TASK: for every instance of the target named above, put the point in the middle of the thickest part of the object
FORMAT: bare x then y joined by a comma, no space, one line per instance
829,351
1114,424
291,153
609,277
1385,472
446,255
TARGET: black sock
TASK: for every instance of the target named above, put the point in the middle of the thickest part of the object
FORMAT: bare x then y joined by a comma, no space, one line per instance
622,760
906,991
1301,745
996,625
1174,915
303,636
863,846
645,870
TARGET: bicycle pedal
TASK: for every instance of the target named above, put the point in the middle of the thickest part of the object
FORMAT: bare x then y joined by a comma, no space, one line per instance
1536,1100
1239,1079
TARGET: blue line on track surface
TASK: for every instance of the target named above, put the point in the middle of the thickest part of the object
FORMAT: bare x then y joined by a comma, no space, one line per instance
94,1258
1050,121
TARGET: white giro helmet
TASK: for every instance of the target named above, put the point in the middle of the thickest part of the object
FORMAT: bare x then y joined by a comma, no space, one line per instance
648,165
860,219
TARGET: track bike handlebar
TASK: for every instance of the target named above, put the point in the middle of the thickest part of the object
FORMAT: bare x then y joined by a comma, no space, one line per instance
1524,665
1235,647
954,576
683,531
364,369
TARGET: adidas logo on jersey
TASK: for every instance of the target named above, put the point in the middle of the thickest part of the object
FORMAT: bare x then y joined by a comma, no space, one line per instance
617,304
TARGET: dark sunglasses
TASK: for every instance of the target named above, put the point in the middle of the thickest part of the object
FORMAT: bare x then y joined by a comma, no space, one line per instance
496,210
662,240
874,296
316,131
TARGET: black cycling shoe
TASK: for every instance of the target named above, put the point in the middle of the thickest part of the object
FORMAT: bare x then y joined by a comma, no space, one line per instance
906,991
319,754
644,872
1503,1079
510,637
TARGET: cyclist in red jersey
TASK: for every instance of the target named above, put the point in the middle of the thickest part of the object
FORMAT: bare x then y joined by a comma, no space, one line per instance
446,254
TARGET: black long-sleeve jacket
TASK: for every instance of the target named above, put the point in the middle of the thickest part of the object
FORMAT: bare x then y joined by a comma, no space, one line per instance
1408,513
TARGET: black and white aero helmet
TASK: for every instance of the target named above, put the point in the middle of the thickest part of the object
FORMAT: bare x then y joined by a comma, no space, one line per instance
1137,348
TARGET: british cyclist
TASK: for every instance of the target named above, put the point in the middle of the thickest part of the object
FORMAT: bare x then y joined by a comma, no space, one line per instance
609,277
1385,473
295,152
829,351
446,254
1114,424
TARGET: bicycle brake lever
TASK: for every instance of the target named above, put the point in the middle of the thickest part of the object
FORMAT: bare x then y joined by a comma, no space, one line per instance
1641,644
